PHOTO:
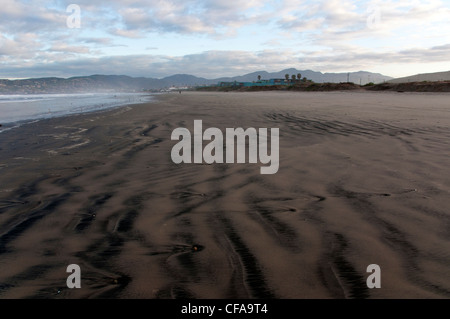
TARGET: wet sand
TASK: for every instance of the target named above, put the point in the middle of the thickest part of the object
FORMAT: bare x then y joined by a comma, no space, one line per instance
364,179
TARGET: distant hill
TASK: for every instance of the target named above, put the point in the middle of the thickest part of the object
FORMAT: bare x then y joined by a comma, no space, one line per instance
123,83
92,83
438,76
97,83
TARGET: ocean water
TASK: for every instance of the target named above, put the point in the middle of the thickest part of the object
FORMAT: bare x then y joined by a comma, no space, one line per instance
19,109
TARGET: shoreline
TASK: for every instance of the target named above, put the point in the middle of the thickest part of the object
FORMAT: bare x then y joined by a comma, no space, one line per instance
80,109
363,180
16,124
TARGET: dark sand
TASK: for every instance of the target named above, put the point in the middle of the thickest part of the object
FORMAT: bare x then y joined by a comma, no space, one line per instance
364,179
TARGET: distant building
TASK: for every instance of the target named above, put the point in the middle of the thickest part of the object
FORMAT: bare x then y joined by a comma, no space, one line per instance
256,83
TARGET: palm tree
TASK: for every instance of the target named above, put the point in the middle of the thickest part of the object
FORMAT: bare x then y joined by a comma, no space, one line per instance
286,76
293,77
259,77
299,76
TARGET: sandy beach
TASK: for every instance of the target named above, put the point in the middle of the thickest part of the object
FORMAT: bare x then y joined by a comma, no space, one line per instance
363,179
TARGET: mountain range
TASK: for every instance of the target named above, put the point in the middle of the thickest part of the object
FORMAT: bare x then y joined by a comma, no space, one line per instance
105,83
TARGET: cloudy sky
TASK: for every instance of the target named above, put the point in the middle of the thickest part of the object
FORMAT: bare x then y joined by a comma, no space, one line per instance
213,38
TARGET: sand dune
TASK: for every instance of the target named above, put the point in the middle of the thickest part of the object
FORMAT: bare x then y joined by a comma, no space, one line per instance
363,179
437,76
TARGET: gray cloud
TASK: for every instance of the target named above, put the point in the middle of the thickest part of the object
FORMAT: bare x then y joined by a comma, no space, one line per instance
209,64
326,35
30,17
213,64
211,17
99,41
361,59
